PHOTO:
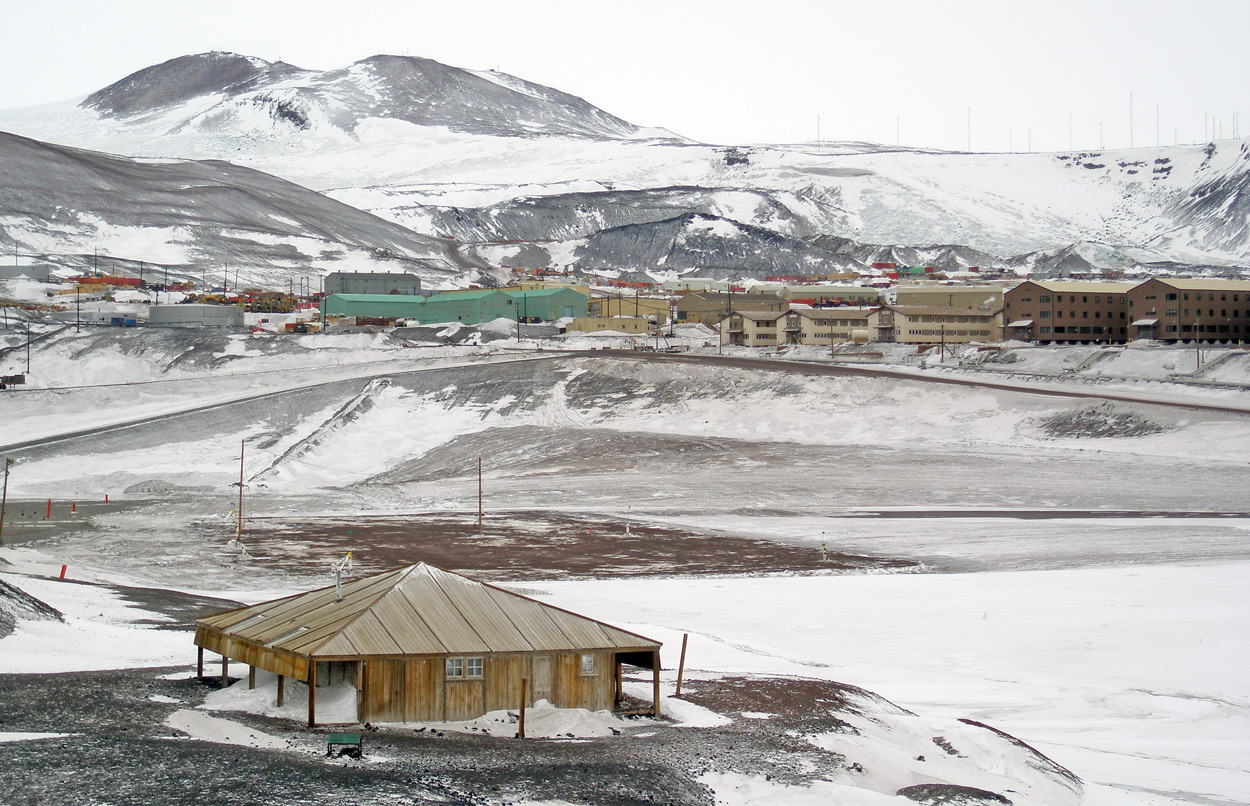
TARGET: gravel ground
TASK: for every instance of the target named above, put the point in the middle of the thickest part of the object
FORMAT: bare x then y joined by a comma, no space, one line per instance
121,753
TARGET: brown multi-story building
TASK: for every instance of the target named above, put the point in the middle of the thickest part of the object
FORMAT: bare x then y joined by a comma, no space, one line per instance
1185,310
1067,311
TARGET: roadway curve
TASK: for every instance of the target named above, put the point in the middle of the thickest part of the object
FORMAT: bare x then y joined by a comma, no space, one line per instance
928,376
736,362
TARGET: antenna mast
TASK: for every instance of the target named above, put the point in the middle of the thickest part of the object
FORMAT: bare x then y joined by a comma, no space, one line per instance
338,567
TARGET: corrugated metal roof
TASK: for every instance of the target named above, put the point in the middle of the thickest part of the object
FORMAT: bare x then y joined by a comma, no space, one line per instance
941,310
418,610
841,312
404,299
761,316
1084,287
1212,284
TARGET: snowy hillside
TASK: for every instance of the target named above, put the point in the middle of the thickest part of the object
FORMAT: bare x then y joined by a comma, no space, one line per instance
1067,570
484,157
193,217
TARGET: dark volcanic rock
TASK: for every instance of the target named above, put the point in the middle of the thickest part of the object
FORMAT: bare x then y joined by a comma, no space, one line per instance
183,79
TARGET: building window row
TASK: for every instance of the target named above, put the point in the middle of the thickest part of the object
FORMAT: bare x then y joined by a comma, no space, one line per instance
464,668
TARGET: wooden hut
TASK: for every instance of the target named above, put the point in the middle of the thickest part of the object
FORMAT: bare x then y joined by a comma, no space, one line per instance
422,644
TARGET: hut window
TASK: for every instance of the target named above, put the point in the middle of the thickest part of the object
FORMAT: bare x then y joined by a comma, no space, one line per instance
464,668
588,665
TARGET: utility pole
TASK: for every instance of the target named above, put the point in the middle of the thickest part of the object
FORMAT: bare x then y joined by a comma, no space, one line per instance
78,307
4,498
942,354
238,532
28,347
479,495
1197,343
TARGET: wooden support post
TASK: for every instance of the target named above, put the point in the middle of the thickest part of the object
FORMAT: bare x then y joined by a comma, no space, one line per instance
619,688
251,678
520,734
225,671
199,663
681,665
281,689
655,680
312,693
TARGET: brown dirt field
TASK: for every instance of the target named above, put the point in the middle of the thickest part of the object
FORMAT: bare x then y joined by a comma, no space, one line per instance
535,545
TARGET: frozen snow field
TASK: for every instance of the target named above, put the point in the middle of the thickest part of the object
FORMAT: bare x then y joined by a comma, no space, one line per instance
1084,594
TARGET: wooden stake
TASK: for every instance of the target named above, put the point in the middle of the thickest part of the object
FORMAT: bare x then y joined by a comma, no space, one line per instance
199,663
681,665
225,671
655,680
312,693
520,734
251,677
281,689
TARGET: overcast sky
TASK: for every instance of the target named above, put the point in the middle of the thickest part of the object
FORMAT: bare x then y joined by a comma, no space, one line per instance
997,74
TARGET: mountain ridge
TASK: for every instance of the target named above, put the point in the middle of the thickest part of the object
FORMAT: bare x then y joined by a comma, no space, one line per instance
482,157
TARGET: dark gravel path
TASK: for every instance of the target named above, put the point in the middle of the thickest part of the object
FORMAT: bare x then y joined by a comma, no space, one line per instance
121,753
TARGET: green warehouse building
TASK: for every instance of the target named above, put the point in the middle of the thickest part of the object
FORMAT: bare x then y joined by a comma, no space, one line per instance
469,307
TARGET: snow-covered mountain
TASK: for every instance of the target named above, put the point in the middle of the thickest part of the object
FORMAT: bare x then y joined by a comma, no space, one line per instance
226,94
193,216
484,157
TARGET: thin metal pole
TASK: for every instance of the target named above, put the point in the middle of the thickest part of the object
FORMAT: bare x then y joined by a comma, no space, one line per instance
238,535
479,495
4,498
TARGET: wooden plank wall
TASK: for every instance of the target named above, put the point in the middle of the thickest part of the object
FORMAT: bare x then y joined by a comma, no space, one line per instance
416,690
502,675
574,690
283,663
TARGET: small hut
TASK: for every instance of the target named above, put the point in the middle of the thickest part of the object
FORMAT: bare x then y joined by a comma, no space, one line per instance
422,644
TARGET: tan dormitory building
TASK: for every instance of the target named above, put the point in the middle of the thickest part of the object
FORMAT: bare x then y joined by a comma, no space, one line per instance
709,307
934,324
989,297
631,325
811,326
633,306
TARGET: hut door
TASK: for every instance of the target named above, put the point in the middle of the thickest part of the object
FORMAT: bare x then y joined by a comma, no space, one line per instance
544,678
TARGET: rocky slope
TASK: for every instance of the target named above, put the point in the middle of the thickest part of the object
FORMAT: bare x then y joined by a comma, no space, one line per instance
191,216
483,157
